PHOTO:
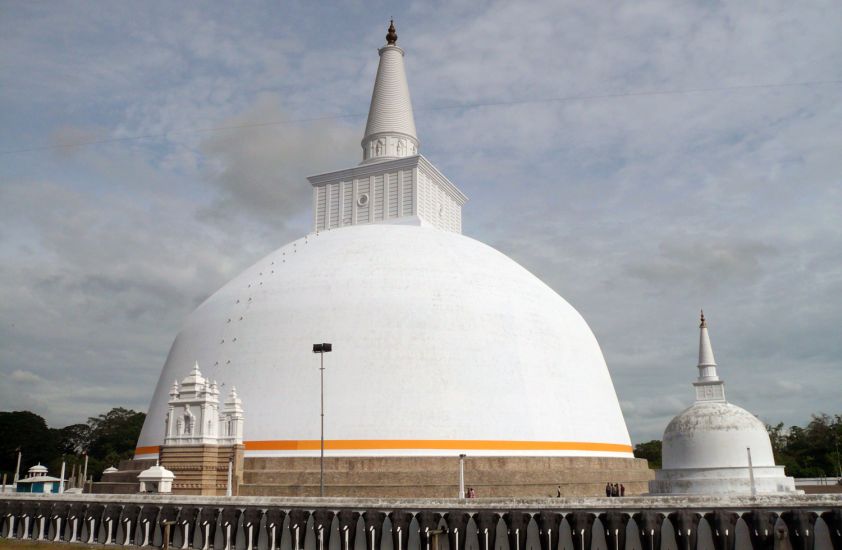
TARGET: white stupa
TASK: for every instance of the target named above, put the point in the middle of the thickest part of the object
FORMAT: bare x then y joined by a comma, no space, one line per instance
441,344
706,448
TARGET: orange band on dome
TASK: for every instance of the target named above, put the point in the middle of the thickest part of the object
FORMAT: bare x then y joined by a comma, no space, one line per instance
153,450
432,444
426,444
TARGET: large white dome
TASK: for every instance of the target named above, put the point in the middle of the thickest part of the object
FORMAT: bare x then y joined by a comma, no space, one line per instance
441,345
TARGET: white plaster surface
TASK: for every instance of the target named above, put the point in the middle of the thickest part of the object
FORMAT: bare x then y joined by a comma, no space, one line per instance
705,452
436,336
715,435
390,129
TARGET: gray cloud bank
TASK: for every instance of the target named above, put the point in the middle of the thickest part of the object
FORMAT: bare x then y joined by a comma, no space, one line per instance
639,210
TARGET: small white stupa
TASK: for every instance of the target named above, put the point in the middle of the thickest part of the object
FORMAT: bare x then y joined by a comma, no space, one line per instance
714,447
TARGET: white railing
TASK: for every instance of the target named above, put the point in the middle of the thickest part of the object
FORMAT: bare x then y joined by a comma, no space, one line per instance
799,481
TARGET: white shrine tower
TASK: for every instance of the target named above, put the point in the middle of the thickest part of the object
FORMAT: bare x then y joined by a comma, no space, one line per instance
194,417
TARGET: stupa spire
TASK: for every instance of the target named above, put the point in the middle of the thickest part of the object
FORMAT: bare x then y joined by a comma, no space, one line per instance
390,129
707,363
708,386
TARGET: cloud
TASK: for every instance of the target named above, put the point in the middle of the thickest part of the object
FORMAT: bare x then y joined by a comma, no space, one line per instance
693,261
260,167
69,138
638,208
24,376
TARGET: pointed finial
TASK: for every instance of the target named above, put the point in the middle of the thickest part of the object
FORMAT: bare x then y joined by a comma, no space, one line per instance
704,323
391,36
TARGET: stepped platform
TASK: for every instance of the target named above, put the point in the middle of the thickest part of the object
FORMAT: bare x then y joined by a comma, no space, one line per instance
124,481
438,477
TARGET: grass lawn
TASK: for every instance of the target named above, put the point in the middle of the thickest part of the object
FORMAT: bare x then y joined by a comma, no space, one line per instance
7,544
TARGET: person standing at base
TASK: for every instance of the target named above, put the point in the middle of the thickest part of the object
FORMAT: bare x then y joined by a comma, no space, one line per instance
608,489
622,490
558,492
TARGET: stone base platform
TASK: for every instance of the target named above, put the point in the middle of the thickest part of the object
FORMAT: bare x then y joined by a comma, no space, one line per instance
124,481
438,477
202,469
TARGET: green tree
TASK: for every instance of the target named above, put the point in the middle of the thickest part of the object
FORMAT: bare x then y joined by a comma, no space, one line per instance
812,451
28,432
113,437
651,451
74,439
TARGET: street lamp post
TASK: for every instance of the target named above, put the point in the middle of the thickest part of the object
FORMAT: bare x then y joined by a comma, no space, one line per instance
321,349
461,476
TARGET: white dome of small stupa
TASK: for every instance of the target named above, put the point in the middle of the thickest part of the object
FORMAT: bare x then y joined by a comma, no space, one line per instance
706,448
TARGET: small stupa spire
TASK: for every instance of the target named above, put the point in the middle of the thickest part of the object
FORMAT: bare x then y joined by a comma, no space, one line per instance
708,386
707,363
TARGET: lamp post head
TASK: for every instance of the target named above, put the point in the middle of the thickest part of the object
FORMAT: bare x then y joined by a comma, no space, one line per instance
322,348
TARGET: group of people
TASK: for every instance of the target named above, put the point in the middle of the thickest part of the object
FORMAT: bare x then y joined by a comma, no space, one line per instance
470,493
615,490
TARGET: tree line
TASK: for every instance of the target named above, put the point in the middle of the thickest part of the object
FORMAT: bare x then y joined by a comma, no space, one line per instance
107,439
814,450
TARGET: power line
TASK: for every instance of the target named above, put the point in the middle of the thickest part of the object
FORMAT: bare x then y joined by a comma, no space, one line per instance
466,106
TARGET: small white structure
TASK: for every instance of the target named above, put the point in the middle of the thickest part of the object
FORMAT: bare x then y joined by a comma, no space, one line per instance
110,470
38,481
714,447
156,479
194,417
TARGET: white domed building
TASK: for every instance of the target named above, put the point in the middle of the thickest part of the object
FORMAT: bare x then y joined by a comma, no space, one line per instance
441,344
715,447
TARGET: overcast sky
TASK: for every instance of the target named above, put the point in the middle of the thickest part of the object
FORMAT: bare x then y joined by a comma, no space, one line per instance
645,159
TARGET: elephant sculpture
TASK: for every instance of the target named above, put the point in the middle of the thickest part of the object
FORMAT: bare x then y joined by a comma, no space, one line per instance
428,522
615,523
322,520
723,528
801,524
457,527
686,527
373,528
581,529
401,521
251,526
274,525
347,520
486,529
761,528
